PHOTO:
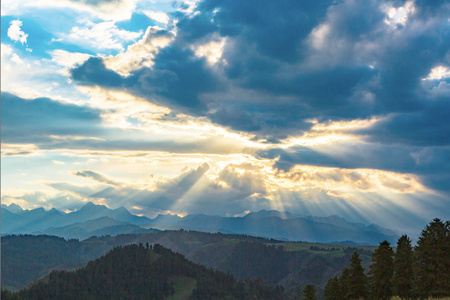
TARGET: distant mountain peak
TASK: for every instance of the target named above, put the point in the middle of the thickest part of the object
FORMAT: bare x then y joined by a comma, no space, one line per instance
39,209
14,208
90,205
121,209
270,213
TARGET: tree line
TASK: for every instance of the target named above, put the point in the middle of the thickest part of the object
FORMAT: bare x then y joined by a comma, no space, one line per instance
316,248
410,272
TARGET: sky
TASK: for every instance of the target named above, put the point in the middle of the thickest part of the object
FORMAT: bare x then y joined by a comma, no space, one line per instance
224,107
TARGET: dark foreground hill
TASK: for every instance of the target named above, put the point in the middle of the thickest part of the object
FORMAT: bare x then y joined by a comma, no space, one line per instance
138,272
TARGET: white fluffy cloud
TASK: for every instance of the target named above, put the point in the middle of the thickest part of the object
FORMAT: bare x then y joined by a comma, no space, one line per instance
398,15
438,73
68,59
142,53
104,35
116,10
159,17
15,33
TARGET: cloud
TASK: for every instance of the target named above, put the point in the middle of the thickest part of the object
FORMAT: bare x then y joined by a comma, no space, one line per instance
363,195
44,124
117,10
106,9
68,59
26,121
164,196
93,72
30,76
78,191
178,85
159,17
437,73
15,33
340,106
329,61
430,163
46,199
281,66
142,53
427,127
99,36
191,191
97,177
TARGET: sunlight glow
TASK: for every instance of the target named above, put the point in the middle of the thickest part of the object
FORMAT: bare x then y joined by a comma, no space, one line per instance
438,73
319,35
212,51
398,15
331,132
141,53
20,149
339,181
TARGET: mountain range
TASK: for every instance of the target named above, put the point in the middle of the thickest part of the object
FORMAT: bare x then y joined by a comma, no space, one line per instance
99,220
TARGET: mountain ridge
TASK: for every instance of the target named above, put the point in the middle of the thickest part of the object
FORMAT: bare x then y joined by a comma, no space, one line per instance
264,223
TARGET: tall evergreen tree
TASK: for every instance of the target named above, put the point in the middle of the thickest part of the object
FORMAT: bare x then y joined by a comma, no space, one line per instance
332,289
344,283
309,292
357,280
432,256
381,271
402,279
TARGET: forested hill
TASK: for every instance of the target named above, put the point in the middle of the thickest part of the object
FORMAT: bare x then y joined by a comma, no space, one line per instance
150,272
27,258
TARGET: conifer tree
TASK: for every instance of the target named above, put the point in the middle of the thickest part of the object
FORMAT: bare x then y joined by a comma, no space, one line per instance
344,285
332,290
381,271
402,279
357,280
433,260
309,292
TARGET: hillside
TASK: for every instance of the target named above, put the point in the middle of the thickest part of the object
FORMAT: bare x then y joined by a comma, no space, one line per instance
97,227
285,263
27,258
138,272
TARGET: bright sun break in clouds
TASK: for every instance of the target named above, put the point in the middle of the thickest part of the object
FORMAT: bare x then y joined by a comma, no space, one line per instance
221,107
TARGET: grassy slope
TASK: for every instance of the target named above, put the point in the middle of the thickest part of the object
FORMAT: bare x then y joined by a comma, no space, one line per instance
183,287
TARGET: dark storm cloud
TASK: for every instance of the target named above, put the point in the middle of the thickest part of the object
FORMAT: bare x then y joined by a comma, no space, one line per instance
180,79
93,72
35,120
177,80
428,127
276,29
